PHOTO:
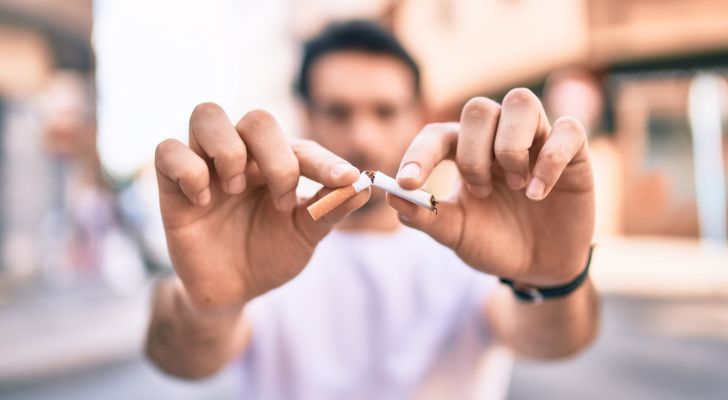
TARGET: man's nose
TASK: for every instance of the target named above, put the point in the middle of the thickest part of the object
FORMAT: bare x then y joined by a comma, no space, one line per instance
365,133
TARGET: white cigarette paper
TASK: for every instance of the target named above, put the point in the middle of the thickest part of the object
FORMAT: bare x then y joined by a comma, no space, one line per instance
338,196
419,197
362,183
366,179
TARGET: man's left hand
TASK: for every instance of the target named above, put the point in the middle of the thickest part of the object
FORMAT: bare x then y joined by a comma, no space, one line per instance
524,208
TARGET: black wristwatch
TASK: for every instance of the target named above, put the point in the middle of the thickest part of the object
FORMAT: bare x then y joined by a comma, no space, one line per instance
531,294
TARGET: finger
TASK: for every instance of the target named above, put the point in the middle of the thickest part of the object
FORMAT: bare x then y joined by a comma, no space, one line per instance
268,146
323,166
474,156
521,116
180,169
436,142
314,231
445,226
213,135
566,144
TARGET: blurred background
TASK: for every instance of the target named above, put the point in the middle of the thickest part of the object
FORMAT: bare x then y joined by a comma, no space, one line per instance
88,88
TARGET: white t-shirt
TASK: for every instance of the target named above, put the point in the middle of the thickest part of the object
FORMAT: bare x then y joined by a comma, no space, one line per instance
395,316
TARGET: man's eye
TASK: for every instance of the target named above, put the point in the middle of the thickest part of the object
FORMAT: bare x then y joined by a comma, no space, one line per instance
338,113
385,112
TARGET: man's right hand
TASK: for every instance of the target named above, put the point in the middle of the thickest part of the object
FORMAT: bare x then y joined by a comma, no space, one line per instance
234,226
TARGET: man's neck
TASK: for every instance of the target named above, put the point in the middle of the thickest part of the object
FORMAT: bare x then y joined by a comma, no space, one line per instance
381,219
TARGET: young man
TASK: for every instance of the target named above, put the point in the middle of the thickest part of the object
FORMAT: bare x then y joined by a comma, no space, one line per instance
376,310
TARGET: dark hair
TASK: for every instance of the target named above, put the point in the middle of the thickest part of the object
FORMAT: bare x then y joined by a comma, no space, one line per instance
360,35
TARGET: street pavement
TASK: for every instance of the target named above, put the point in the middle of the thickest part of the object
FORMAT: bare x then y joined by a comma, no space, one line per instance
648,349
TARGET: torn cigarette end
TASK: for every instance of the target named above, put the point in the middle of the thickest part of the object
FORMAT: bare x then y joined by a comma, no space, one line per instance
434,203
334,199
366,179
370,174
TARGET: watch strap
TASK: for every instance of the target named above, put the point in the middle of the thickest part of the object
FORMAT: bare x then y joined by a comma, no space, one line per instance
537,295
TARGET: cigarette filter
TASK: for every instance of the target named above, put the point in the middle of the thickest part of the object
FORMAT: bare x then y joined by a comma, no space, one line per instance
338,196
366,179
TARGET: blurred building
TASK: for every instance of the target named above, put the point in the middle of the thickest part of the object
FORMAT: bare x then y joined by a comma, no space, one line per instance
645,54
66,259
59,218
46,114
469,48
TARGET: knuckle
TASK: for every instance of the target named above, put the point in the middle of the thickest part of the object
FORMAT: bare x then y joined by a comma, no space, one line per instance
474,170
435,136
431,128
481,107
164,148
511,156
520,97
506,148
438,128
205,111
256,119
286,171
232,154
195,174
554,156
571,125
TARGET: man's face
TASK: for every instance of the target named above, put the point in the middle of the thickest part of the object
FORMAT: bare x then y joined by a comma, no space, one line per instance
363,108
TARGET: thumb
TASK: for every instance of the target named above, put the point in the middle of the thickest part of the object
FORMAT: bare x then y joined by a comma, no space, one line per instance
445,226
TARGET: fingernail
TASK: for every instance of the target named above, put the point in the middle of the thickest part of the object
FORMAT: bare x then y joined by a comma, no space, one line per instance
236,184
410,170
535,189
204,197
480,191
343,167
288,201
515,181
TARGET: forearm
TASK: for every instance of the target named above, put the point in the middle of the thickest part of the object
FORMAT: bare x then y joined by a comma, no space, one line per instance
556,328
189,342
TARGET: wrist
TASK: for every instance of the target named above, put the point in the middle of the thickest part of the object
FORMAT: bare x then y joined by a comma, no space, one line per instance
537,294
186,305
554,271
190,342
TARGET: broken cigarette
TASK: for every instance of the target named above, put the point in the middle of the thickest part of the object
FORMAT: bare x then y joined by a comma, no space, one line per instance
419,197
366,179
338,196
